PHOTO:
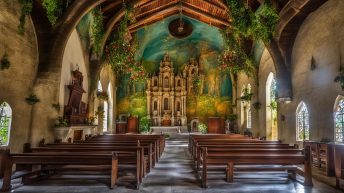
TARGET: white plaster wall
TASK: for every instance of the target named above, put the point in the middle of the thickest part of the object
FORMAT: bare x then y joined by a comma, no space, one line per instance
73,57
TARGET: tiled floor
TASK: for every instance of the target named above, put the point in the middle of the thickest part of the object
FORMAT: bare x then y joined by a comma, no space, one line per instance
175,174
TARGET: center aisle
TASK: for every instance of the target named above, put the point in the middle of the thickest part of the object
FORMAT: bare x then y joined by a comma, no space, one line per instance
174,171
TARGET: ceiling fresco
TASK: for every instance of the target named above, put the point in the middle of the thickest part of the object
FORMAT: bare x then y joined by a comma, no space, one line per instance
204,44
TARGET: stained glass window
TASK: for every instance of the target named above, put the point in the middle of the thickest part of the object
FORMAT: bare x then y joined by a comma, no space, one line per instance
5,123
302,122
339,121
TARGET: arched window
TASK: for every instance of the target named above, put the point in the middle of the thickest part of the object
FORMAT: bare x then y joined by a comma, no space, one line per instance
99,87
5,123
178,106
271,108
339,120
165,103
302,122
242,108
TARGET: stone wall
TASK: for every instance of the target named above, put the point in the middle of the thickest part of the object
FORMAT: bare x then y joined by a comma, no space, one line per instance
16,83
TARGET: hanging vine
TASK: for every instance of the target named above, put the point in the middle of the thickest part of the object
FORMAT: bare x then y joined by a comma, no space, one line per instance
25,11
54,10
121,52
246,24
97,30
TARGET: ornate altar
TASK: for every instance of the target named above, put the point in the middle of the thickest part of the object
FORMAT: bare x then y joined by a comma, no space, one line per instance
76,110
167,92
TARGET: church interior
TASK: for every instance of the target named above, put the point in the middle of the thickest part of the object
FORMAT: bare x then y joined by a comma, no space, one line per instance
171,96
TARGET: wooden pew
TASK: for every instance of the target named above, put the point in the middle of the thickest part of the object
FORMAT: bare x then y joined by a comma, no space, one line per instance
322,156
148,150
339,162
58,159
263,158
249,150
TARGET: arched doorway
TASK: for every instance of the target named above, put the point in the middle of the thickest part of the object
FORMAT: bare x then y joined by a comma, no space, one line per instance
271,108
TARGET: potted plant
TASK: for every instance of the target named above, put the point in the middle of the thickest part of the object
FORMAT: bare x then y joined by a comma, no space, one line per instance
202,128
257,105
102,95
32,99
61,122
232,117
145,124
100,112
247,95
4,62
340,78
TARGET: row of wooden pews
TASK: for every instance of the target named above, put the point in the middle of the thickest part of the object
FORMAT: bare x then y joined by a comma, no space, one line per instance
241,153
106,153
328,157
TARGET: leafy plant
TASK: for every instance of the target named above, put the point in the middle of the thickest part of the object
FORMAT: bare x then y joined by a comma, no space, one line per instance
25,11
273,105
247,95
196,82
97,29
100,113
232,117
61,122
145,124
91,120
32,99
102,95
120,53
56,106
246,25
54,9
340,78
202,128
257,105
4,62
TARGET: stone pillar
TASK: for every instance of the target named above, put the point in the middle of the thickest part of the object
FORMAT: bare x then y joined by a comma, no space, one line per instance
172,108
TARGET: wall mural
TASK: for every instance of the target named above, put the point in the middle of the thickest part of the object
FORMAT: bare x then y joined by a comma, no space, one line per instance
204,45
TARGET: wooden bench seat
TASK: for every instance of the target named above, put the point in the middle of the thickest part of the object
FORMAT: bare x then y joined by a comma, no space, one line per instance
261,158
58,159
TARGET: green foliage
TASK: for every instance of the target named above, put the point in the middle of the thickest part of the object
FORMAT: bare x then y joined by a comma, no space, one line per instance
100,113
32,99
145,124
196,83
25,11
4,125
232,117
340,78
246,95
273,105
257,105
102,95
4,62
54,9
202,128
246,25
61,122
97,30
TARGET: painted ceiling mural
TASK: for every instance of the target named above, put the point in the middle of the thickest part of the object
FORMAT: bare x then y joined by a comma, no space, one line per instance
204,45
